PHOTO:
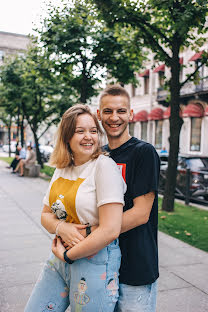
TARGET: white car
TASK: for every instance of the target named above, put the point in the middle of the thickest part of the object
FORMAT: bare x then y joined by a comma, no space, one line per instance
45,151
13,145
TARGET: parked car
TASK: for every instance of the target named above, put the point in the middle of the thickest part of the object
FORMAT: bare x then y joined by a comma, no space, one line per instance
45,151
13,145
198,166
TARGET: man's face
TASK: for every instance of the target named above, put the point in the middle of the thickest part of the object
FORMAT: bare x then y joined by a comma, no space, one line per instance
115,114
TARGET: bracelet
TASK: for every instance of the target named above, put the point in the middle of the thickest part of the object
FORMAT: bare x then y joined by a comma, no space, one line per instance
57,226
67,259
88,230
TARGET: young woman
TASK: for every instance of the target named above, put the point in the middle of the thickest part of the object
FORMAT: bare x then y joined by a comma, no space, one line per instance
86,188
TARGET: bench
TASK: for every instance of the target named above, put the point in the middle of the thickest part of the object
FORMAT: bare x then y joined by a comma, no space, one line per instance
32,171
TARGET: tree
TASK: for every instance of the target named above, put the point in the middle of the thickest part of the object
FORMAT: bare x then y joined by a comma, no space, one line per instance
40,93
10,96
84,46
165,27
30,85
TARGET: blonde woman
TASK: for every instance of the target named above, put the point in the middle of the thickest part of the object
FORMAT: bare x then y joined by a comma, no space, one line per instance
86,188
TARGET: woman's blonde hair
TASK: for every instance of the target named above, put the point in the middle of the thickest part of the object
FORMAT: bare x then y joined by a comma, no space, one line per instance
62,156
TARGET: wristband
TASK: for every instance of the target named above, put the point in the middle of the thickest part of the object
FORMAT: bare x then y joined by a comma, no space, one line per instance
88,230
66,258
57,226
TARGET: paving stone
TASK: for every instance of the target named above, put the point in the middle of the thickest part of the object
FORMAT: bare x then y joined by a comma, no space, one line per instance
14,299
19,274
196,274
182,300
169,280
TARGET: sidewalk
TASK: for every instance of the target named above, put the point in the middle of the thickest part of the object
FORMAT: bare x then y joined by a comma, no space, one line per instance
24,246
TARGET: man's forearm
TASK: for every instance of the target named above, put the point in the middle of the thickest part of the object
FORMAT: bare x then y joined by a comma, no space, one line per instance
132,218
139,213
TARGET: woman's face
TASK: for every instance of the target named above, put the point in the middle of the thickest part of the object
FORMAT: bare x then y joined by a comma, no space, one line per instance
85,139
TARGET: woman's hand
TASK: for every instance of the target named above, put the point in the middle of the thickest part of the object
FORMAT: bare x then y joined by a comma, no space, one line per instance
58,248
70,234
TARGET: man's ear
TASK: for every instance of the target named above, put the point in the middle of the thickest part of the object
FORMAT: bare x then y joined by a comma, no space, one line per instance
131,114
98,114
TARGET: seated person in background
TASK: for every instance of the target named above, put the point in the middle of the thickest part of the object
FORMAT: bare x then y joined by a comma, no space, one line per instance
20,154
28,162
163,151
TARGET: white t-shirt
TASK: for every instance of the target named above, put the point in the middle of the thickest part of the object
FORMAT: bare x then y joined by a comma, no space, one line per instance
76,192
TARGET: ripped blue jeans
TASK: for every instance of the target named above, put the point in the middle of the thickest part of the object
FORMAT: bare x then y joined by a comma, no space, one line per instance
87,285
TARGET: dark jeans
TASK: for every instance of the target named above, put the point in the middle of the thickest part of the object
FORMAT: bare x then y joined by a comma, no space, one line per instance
14,163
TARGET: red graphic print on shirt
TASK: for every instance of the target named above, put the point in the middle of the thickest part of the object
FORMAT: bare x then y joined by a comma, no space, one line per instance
122,167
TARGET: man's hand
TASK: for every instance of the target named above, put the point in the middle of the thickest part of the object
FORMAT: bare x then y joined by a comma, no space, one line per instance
70,234
58,248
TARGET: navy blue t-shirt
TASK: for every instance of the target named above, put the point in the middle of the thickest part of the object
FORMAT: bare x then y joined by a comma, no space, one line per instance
140,167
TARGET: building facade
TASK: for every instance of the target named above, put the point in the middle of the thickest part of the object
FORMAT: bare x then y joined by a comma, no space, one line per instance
151,111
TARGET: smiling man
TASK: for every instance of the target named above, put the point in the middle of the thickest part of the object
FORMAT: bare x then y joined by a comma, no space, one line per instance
139,163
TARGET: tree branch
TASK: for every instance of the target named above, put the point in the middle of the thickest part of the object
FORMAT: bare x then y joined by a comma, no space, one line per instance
191,75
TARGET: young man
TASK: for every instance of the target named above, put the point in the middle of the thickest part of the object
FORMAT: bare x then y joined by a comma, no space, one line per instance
139,163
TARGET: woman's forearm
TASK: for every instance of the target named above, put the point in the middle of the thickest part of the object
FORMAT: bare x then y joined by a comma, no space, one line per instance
49,221
93,243
110,218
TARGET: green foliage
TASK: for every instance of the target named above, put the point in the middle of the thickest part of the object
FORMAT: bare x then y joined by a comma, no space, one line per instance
8,160
165,27
47,170
186,223
78,40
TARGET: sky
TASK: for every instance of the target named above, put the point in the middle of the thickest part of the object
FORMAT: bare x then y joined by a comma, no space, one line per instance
19,16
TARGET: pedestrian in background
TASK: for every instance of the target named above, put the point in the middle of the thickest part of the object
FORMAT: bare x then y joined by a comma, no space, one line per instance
20,154
28,162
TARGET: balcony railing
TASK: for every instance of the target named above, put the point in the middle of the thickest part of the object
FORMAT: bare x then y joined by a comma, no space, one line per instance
189,88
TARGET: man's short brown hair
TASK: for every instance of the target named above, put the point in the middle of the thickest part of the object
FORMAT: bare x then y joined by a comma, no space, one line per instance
114,90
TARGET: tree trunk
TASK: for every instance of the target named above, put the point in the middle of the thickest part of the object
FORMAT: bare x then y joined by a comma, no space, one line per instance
22,131
18,124
83,96
175,128
9,136
38,155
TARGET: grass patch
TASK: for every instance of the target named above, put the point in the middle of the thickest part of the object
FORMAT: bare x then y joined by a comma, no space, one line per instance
186,223
7,159
47,170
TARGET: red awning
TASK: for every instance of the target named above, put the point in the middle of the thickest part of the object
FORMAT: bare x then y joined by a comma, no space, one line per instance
145,73
160,68
181,60
141,116
206,111
156,114
193,110
167,112
196,56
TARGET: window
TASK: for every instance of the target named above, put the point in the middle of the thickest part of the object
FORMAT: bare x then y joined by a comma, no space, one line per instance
144,130
146,85
158,134
1,55
201,69
161,78
195,144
